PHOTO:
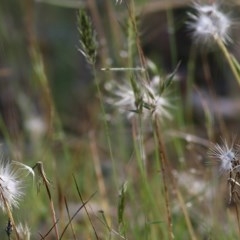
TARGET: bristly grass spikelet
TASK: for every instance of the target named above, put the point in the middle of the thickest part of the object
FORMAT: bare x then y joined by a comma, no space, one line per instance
209,23
87,37
147,99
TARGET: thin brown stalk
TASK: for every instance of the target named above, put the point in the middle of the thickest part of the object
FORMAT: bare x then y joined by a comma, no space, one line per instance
232,183
69,218
99,175
185,213
237,214
48,232
219,118
114,28
38,64
89,218
164,171
75,214
39,166
142,59
163,158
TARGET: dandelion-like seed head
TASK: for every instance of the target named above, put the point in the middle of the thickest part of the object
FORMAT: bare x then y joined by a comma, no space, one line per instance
228,155
209,23
10,187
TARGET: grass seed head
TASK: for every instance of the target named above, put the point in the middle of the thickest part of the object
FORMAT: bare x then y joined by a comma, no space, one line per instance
87,37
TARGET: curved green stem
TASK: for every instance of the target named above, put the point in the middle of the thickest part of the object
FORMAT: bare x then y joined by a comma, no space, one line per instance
228,58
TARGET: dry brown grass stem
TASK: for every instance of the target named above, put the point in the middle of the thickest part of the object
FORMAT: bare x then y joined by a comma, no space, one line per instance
100,178
131,12
205,105
38,64
75,214
163,158
69,219
166,170
234,194
41,172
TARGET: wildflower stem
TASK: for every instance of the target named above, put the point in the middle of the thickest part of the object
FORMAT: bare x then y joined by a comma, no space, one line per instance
10,216
228,58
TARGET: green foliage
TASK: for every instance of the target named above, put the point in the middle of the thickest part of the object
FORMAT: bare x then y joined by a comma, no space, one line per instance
134,177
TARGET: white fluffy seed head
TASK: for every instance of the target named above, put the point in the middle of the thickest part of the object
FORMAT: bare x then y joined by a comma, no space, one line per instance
11,189
152,103
209,23
228,155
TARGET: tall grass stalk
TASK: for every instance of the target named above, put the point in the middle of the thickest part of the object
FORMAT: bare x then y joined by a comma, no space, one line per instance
74,215
89,50
84,207
134,30
69,219
163,163
164,172
147,195
137,134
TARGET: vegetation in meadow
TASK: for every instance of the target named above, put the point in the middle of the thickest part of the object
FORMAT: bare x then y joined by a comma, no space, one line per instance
119,120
